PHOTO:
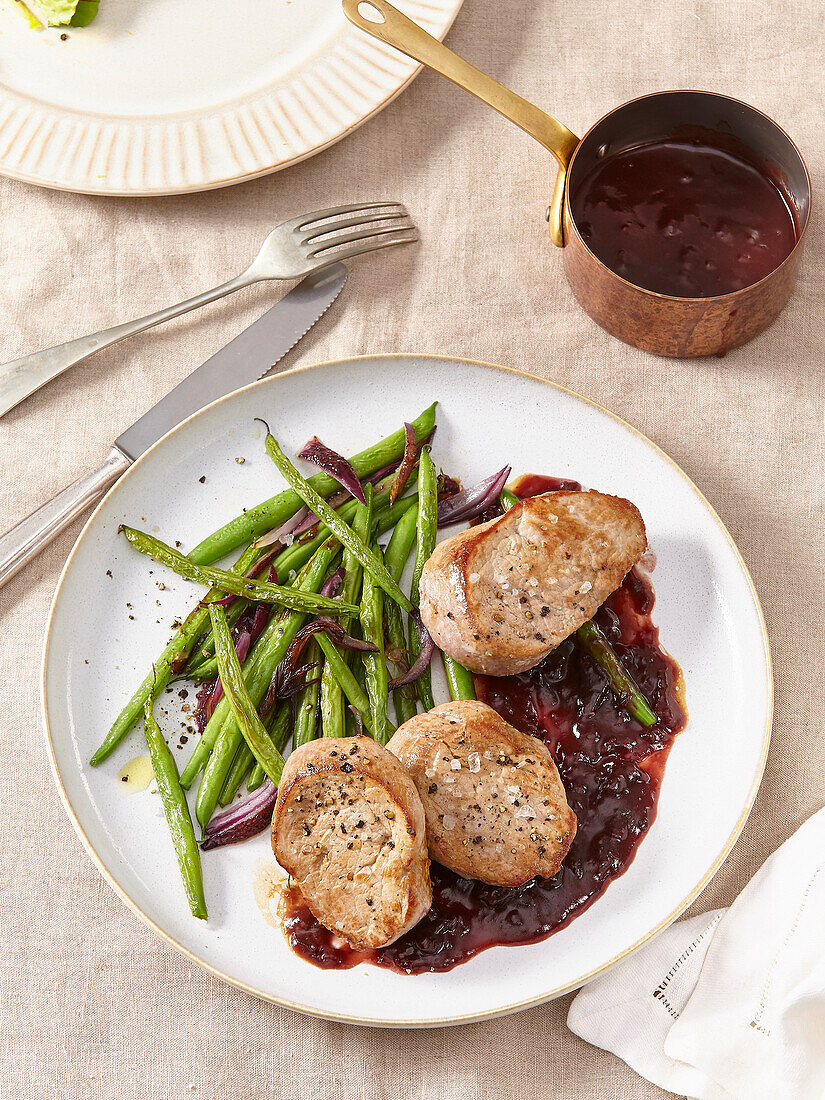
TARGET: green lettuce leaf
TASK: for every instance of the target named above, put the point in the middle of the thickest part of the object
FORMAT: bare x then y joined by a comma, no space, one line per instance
59,13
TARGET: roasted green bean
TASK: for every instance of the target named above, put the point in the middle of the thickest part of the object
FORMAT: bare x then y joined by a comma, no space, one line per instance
310,576
459,679
396,555
260,666
243,707
271,513
241,768
425,544
306,717
260,591
163,670
598,646
372,564
176,811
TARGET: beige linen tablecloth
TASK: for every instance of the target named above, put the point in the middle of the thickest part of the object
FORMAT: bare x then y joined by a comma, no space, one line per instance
92,1004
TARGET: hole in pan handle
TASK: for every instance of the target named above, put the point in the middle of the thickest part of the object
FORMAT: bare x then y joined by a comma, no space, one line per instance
388,25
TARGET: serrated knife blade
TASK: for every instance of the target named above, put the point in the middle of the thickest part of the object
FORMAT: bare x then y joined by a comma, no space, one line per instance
246,358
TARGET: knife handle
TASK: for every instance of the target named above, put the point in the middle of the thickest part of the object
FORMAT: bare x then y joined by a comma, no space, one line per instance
27,538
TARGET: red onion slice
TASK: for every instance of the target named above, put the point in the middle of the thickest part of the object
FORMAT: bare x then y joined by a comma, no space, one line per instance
282,533
333,583
334,464
310,519
287,675
427,647
407,462
471,502
243,820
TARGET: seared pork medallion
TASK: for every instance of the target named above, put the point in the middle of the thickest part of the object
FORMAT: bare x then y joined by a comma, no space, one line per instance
495,806
348,826
500,596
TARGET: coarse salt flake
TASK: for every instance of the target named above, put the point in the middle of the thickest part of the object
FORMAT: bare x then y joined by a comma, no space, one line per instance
455,764
474,578
525,811
474,762
586,587
448,821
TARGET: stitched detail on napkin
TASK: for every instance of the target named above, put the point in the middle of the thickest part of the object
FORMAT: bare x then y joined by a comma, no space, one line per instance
660,992
764,994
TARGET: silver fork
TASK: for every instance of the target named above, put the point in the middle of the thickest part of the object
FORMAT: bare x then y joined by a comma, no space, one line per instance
292,249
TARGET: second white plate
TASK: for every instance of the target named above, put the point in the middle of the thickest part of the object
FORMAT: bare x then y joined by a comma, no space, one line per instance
160,98
110,619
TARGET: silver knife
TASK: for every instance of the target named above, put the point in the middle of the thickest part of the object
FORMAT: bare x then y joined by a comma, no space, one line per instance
248,357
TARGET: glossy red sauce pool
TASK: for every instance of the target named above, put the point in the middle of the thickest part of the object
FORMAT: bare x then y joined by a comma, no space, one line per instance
684,219
611,768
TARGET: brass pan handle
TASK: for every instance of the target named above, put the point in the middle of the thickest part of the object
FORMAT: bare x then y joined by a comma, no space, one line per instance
388,25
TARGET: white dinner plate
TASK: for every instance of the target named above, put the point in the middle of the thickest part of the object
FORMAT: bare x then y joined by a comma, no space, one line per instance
168,96
110,619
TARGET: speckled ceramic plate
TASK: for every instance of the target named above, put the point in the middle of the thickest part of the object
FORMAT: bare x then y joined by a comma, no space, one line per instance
96,653
168,96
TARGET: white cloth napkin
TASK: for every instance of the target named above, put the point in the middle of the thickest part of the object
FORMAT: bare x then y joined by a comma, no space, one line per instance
729,1005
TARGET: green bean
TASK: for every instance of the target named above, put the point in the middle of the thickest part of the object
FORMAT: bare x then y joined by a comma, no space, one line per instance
260,667
331,702
163,669
371,563
289,561
204,649
425,544
347,679
375,665
598,646
311,574
333,723
279,724
243,708
292,559
241,768
260,591
401,541
279,727
176,811
395,558
270,514
306,718
459,679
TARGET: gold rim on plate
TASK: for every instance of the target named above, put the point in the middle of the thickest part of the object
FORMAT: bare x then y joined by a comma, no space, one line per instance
474,1017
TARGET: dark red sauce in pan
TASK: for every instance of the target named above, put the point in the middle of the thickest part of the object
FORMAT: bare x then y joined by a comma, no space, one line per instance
684,219
611,768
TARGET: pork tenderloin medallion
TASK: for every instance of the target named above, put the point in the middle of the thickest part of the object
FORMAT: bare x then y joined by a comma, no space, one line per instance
500,596
495,806
349,828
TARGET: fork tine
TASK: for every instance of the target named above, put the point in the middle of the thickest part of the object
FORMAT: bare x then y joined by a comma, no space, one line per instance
359,250
358,235
306,220
349,223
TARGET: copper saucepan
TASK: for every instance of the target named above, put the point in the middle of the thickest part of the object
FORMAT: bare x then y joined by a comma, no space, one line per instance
655,322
